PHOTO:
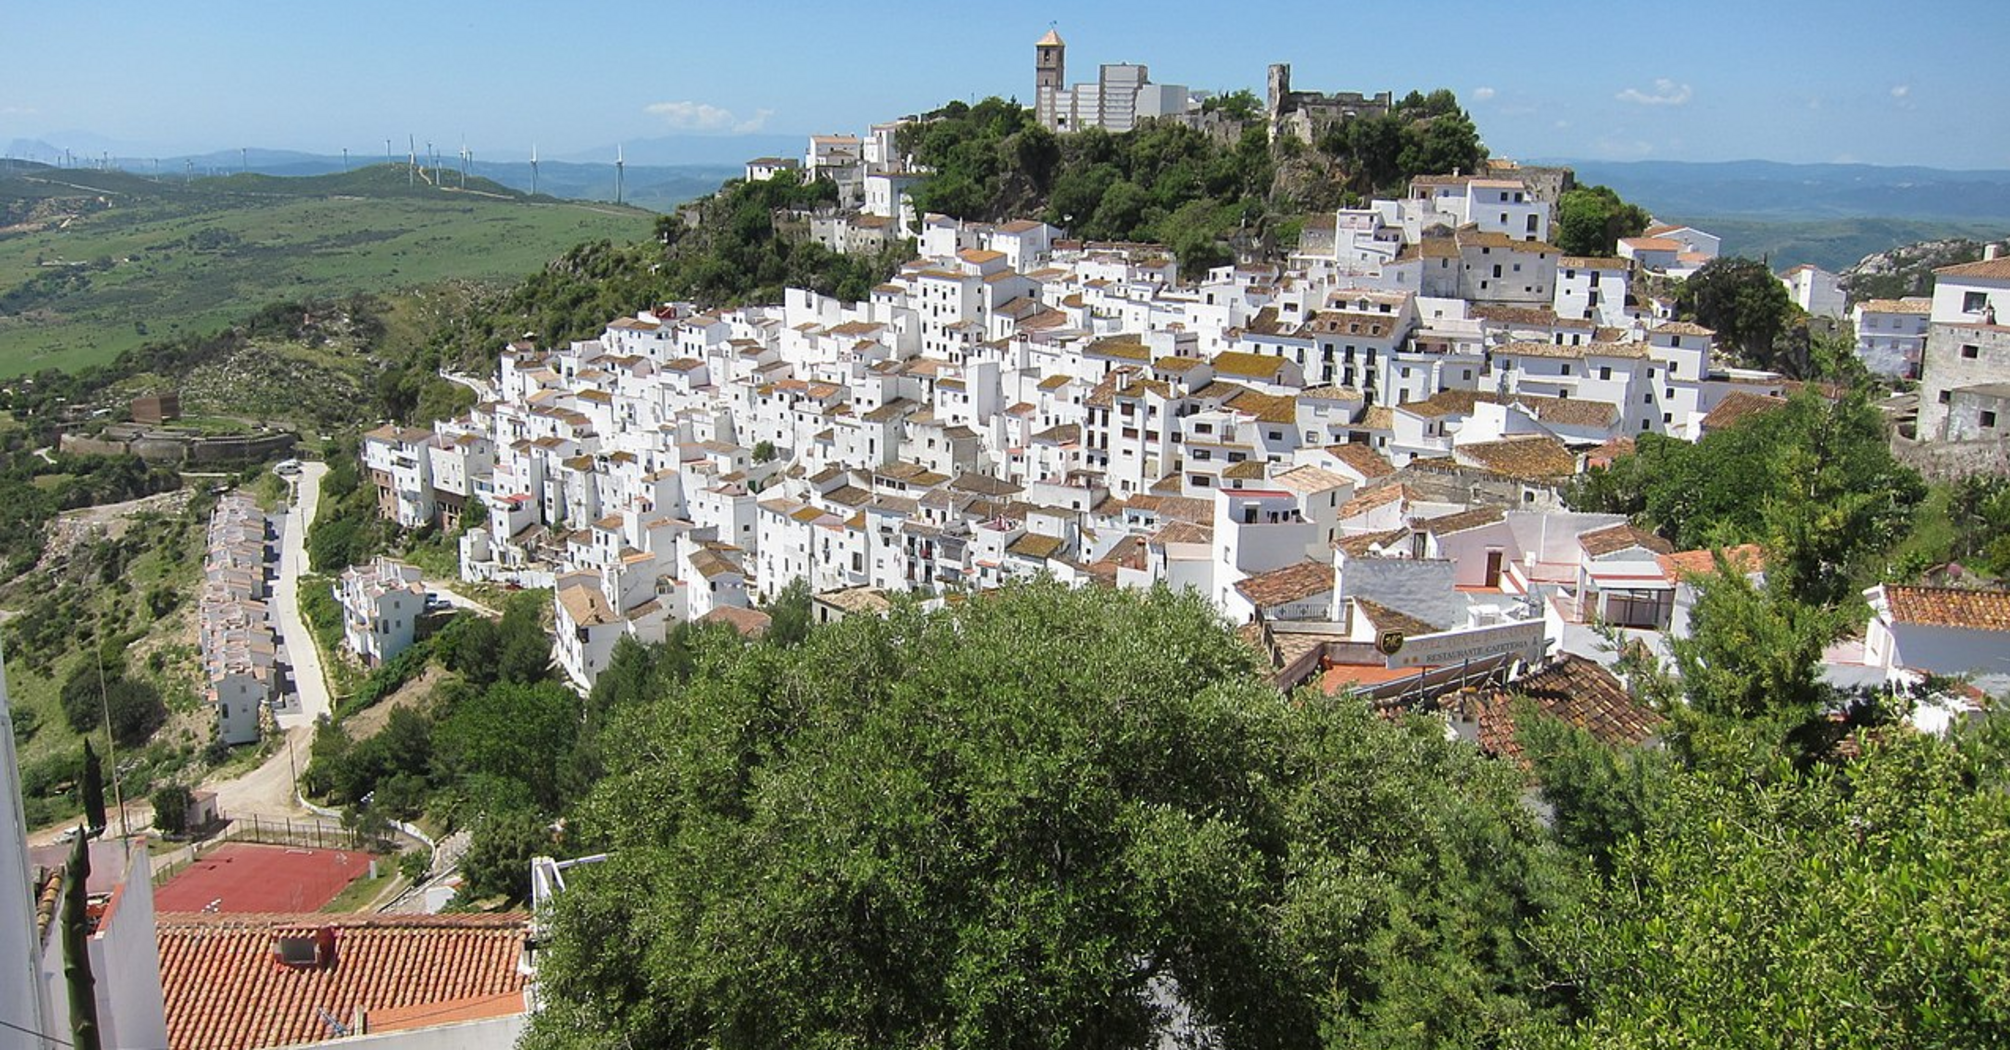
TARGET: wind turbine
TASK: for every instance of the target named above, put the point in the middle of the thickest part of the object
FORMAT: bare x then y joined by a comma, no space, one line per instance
345,160
533,169
619,173
388,158
244,159
411,161
464,163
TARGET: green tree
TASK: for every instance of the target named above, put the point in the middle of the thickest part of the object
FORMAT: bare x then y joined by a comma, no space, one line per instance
1843,500
1600,795
789,614
1590,220
93,790
1860,907
507,742
171,804
1753,650
501,845
1743,302
1032,821
523,650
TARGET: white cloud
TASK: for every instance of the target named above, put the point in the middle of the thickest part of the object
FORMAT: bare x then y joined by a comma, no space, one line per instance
1666,93
1901,91
702,116
1562,124
1483,94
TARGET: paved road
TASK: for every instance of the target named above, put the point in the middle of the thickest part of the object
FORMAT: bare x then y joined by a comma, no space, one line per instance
308,679
445,589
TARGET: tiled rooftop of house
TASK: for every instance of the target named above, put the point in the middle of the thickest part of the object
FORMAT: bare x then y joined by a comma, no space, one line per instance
225,989
1975,610
1574,689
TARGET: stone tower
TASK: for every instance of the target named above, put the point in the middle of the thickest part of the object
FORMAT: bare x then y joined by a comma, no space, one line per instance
1279,94
1050,73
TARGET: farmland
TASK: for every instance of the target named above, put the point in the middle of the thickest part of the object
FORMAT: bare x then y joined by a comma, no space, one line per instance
96,263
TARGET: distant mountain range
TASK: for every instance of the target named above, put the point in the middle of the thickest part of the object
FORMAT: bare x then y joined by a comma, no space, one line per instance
1759,189
647,180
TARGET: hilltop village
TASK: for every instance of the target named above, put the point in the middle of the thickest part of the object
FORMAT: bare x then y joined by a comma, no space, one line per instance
1357,454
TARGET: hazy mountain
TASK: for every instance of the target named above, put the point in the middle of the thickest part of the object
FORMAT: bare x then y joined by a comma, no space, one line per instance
1757,189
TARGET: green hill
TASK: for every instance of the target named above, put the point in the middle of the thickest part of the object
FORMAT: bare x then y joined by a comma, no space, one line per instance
94,263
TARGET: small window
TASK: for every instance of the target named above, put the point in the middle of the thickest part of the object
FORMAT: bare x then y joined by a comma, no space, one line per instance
1943,397
1605,371
1974,302
1989,421
1970,352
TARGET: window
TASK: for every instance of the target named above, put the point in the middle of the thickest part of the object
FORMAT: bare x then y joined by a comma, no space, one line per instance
1989,421
1974,302
1943,397
1970,352
1605,371
1566,368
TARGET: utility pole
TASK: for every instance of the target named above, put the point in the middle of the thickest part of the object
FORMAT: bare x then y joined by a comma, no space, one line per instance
111,744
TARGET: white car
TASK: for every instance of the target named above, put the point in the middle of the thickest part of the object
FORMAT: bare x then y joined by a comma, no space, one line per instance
286,466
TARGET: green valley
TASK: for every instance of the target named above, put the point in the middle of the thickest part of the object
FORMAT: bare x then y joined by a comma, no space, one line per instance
96,263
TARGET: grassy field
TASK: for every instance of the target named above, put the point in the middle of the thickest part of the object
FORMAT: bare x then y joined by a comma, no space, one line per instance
93,265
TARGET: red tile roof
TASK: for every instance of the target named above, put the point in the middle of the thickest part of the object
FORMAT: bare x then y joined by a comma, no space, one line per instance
1293,583
224,990
1950,607
1576,690
1748,557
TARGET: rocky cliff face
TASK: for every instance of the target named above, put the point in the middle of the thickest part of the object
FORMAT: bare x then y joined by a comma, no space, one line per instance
1906,270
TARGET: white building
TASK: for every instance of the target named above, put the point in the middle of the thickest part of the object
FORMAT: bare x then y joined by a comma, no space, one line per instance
1891,335
381,605
1815,290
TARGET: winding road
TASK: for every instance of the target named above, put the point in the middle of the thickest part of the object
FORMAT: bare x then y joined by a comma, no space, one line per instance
308,680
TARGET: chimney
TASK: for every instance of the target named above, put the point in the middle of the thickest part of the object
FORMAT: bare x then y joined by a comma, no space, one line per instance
1989,252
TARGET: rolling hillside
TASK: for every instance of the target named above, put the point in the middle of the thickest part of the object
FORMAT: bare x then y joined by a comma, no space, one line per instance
94,263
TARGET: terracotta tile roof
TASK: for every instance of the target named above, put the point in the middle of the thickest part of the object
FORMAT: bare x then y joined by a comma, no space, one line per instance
1570,411
1362,545
1998,268
751,623
1387,619
1365,461
1248,470
1247,366
1369,499
1681,328
1615,538
1533,456
1463,521
1737,406
1919,305
1032,545
1292,583
224,990
1534,316
1748,558
1448,403
1576,690
1950,607
1307,480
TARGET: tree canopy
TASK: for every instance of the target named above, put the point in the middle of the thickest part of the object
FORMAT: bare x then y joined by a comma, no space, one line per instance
1743,302
1042,818
1590,220
1866,906
1813,480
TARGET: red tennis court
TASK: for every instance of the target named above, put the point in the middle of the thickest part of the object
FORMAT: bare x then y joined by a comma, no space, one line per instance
239,877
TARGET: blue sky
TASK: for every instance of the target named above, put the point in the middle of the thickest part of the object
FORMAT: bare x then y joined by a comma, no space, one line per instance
1880,83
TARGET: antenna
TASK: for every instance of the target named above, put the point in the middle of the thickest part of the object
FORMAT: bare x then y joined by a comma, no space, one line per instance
618,173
